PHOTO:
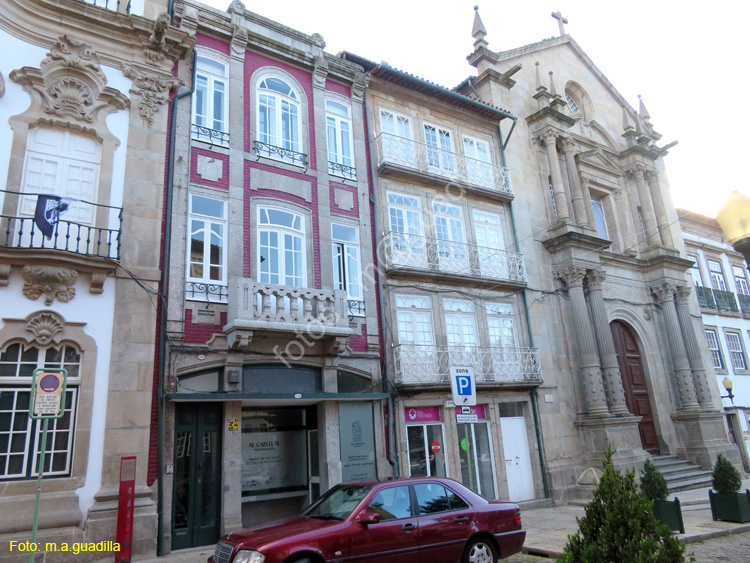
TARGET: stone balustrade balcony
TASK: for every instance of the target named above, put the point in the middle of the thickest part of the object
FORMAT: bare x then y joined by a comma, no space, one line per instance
444,257
261,307
430,365
398,154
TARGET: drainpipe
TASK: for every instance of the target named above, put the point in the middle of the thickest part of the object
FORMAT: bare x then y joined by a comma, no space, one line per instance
533,392
164,313
392,457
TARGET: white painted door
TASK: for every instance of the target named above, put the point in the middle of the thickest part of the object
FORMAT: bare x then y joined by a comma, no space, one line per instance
517,458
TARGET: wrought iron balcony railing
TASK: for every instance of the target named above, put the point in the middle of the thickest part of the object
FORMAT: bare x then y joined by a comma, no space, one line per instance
420,365
115,5
255,306
392,150
213,293
429,254
705,297
342,170
356,308
279,153
211,136
744,302
725,301
20,231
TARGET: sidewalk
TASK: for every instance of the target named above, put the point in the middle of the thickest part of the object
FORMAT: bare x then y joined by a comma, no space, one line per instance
547,529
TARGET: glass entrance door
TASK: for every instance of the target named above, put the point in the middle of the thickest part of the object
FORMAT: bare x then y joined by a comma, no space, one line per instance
196,498
477,460
313,466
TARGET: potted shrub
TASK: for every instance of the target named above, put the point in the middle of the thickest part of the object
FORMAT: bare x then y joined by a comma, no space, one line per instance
654,487
619,525
727,503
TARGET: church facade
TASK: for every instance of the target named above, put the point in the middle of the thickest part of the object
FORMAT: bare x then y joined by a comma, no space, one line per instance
610,296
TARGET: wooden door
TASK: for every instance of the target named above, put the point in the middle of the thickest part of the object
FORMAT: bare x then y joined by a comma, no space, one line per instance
634,383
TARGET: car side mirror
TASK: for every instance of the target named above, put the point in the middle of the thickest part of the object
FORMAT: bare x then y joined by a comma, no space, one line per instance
366,518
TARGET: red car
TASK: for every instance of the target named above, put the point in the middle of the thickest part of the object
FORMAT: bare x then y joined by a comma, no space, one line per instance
427,520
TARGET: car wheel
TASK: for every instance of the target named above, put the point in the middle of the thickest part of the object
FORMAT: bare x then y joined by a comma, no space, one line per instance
480,551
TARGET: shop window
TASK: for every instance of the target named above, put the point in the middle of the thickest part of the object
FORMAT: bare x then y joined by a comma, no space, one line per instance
426,450
19,434
475,454
280,379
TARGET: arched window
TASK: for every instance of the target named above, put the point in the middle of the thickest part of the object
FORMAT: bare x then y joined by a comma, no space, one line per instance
19,434
210,101
281,247
278,119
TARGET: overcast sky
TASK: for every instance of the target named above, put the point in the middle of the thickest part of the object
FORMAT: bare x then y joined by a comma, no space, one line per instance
684,58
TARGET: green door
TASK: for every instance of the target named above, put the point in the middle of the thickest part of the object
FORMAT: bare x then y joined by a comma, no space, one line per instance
196,498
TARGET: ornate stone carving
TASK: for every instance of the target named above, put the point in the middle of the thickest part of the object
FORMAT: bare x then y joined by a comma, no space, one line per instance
595,279
153,90
318,40
53,282
549,138
97,283
45,327
157,42
4,274
239,40
572,276
683,293
320,72
236,7
664,292
359,86
69,83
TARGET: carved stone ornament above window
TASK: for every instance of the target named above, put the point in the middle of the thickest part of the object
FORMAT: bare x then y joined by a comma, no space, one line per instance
69,83
153,90
51,281
45,326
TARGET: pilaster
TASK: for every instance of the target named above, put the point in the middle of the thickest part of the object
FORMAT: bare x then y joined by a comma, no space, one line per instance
700,381
647,206
579,206
652,178
558,189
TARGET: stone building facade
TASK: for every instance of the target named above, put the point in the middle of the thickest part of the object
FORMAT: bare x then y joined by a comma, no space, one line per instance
453,286
273,336
720,277
84,91
612,313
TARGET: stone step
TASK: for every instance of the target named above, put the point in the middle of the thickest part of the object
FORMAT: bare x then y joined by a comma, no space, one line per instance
677,467
682,475
693,483
692,474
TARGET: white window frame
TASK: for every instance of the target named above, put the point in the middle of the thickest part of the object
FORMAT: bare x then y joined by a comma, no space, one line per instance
295,100
740,279
22,384
503,313
343,252
439,158
416,307
405,119
714,346
282,230
718,279
203,132
572,105
478,168
462,314
736,350
427,446
209,222
342,130
696,269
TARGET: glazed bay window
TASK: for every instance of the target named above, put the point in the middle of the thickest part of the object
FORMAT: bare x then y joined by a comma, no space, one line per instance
347,270
339,128
279,122
210,102
20,435
736,350
281,247
713,345
207,250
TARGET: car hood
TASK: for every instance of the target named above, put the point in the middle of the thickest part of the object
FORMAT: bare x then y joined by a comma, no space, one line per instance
288,529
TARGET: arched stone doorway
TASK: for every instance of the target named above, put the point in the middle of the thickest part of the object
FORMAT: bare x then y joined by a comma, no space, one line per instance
634,383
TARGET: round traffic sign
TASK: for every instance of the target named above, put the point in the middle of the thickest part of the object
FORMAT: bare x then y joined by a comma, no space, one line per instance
435,447
49,383
464,444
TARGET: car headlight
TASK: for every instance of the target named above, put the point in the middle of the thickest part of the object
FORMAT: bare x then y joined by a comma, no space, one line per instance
247,556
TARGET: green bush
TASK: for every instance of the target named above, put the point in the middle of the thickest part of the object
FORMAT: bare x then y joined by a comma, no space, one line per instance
726,477
653,483
620,526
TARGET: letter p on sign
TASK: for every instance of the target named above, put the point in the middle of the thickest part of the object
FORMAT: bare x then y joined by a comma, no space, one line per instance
463,386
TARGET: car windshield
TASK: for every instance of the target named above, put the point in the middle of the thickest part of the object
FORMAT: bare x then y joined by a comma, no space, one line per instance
338,503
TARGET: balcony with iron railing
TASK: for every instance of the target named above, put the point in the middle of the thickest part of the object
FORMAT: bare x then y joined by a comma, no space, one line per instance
99,237
430,365
264,150
213,137
443,257
122,6
705,297
744,303
261,307
721,301
725,301
398,154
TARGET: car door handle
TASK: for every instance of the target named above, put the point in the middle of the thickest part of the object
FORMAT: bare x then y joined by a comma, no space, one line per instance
408,527
462,519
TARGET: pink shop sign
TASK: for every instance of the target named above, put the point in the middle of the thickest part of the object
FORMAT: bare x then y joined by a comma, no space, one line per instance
422,414
477,410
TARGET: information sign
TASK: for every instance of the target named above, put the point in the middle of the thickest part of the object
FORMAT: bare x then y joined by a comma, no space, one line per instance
463,385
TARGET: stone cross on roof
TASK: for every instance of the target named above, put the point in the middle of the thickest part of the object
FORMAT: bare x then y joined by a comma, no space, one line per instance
561,21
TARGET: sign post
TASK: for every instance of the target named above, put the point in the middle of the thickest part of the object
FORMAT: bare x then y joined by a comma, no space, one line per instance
463,385
48,388
125,509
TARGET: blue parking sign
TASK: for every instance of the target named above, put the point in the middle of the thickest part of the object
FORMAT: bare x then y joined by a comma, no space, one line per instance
463,385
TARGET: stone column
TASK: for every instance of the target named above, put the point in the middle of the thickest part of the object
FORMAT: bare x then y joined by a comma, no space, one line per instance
593,389
579,206
558,188
700,380
652,178
647,206
683,376
608,356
